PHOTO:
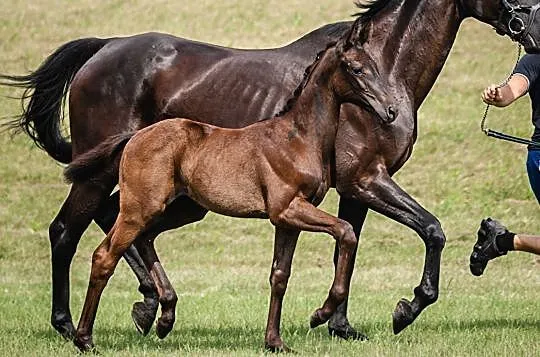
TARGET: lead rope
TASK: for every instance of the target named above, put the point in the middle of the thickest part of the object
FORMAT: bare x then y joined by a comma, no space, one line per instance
496,134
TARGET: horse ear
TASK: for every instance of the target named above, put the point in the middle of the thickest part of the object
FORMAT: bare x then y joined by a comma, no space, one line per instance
359,33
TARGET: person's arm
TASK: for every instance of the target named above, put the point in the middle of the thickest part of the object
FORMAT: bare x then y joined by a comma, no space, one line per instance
517,86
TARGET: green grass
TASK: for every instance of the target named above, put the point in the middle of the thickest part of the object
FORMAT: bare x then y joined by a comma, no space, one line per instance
220,266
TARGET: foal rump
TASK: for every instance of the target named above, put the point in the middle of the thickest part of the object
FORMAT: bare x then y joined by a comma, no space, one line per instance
88,165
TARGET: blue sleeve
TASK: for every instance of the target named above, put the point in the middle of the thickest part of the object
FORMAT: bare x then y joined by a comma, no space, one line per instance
529,66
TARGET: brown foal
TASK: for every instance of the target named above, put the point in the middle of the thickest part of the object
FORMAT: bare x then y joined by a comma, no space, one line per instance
278,169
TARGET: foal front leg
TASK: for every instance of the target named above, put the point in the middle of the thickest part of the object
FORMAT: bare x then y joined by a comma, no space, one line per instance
383,195
284,246
354,212
302,215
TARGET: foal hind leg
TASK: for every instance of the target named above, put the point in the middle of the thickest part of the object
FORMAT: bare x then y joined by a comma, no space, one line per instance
143,313
355,213
104,262
302,215
167,295
181,211
386,197
64,233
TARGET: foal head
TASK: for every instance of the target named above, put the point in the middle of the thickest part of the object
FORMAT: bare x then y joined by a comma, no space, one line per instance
358,80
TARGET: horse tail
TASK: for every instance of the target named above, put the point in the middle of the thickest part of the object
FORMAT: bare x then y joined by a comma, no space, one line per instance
87,166
44,96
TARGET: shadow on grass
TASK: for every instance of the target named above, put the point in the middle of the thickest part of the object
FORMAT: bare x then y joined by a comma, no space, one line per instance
230,338
480,324
189,338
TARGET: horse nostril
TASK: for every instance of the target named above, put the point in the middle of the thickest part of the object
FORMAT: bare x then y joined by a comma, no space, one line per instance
392,113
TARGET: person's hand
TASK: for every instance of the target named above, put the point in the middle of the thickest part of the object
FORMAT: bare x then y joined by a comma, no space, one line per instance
492,94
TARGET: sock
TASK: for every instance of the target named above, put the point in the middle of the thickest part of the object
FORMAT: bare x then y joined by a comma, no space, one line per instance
505,241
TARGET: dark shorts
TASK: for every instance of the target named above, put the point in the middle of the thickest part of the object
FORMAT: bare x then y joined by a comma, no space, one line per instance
533,169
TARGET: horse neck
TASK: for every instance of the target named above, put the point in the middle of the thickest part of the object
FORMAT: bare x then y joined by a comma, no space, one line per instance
313,41
315,113
413,39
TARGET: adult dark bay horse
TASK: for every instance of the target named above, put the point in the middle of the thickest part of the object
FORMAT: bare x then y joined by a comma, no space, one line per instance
120,84
279,169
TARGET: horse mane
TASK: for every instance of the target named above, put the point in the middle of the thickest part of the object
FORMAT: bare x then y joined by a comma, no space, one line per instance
307,74
367,9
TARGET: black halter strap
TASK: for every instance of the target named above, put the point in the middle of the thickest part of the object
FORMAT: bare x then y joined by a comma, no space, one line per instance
516,26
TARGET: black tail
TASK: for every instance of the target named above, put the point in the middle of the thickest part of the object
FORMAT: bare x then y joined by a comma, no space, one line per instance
87,166
45,93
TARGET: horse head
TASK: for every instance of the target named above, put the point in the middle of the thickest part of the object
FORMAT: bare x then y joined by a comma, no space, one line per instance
519,19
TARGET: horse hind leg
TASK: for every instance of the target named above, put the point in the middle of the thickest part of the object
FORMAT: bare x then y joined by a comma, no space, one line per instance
64,233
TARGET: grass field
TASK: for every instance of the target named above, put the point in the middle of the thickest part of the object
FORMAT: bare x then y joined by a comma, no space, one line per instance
220,266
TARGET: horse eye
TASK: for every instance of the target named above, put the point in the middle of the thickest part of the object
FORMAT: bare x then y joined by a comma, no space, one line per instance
357,71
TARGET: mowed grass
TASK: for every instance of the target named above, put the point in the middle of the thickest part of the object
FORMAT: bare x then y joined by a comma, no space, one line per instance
220,266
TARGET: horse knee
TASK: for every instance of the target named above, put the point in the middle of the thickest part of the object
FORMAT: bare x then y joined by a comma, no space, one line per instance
428,294
278,282
102,265
346,236
339,294
168,298
434,236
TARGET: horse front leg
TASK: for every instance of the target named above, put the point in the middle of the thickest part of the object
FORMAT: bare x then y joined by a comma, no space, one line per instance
354,212
383,195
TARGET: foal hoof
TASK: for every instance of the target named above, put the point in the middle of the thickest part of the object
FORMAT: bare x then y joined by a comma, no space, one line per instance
143,317
403,316
316,319
163,328
278,348
84,343
347,333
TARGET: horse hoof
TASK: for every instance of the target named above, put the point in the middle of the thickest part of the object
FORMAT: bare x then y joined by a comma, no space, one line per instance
163,328
66,329
347,333
143,317
403,316
316,319
84,343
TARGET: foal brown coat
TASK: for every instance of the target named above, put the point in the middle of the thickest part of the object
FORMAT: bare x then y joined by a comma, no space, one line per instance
278,169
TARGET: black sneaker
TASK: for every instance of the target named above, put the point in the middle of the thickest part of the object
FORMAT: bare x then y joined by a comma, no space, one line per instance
486,248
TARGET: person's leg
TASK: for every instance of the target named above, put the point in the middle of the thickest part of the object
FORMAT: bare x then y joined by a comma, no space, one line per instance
527,243
533,171
495,240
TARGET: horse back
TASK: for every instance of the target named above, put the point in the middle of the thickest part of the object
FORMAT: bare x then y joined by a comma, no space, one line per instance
135,81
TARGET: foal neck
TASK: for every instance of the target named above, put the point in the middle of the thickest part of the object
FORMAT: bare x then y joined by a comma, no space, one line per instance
315,113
